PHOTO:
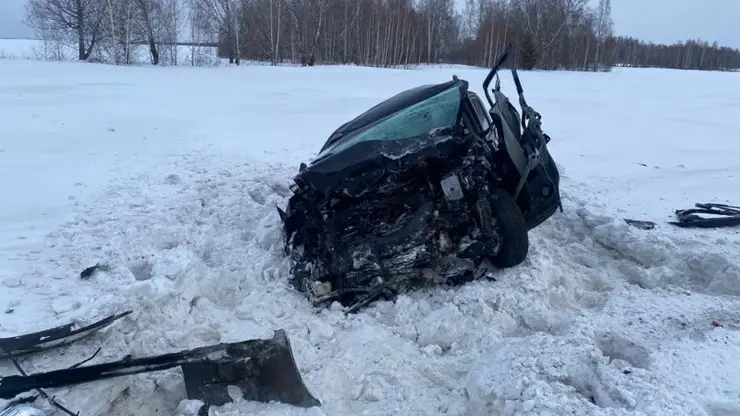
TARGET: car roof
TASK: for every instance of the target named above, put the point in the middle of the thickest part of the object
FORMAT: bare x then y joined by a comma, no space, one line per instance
391,105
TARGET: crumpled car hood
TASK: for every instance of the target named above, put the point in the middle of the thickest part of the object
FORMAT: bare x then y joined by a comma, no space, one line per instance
355,169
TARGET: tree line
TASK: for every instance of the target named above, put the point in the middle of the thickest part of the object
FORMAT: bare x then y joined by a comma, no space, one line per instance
548,34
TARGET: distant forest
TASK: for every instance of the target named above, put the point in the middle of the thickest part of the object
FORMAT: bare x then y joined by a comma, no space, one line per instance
548,34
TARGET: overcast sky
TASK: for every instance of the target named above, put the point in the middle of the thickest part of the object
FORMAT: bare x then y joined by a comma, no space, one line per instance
664,21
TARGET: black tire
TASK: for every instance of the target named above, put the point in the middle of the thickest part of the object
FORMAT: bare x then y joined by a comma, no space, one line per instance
511,227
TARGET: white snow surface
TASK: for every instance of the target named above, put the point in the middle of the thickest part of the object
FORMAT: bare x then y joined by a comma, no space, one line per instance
171,176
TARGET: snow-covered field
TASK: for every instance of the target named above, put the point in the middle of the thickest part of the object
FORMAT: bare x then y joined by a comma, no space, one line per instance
171,176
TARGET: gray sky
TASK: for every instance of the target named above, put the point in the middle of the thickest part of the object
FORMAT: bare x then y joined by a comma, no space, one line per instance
11,15
663,21
669,21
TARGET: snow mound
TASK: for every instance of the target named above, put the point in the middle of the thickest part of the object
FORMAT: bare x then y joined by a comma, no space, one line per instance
653,259
544,375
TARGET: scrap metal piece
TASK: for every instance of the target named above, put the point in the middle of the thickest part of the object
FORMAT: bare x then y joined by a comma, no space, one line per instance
89,271
264,372
51,338
452,188
264,369
720,215
643,225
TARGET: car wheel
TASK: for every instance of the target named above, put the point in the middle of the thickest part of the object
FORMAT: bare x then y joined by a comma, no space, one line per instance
506,220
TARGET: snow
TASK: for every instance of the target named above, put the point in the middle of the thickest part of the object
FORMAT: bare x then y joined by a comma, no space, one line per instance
171,177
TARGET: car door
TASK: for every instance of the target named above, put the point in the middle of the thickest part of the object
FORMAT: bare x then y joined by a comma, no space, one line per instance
484,119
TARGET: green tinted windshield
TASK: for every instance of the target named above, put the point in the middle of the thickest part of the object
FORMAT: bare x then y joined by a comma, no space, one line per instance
421,118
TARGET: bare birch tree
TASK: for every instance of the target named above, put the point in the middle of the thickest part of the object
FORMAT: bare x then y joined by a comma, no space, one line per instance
223,17
80,20
171,22
148,10
603,27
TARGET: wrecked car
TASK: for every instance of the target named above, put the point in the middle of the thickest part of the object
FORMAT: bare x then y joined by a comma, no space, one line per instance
420,190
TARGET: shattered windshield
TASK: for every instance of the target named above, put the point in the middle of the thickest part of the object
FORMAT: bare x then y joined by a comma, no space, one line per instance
416,120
